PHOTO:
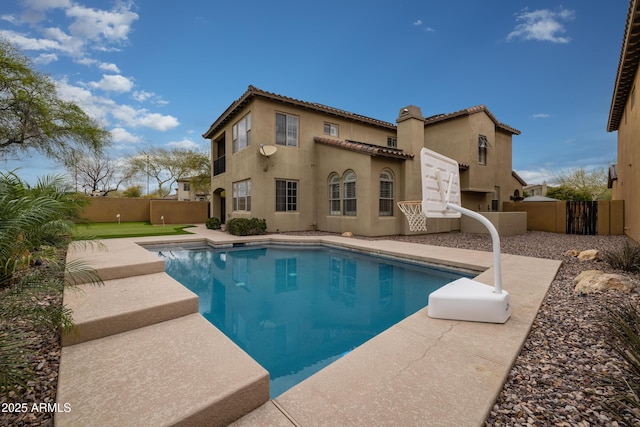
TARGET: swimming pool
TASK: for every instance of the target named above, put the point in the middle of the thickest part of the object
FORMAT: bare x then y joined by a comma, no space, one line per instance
297,308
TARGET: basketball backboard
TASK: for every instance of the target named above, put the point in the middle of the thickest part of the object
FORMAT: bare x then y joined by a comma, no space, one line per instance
437,171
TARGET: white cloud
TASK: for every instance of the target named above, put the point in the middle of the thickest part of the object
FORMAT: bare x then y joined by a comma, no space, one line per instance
538,176
121,135
46,58
419,23
108,67
96,24
141,95
158,121
113,83
185,143
542,25
134,118
540,116
29,43
46,4
10,19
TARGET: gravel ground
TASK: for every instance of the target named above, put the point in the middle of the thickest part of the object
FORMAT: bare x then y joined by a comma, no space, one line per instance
555,379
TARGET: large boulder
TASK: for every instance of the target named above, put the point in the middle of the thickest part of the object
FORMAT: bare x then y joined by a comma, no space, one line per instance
588,255
597,281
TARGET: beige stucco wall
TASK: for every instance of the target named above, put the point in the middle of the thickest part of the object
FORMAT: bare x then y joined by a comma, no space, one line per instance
551,216
309,163
458,138
628,183
106,209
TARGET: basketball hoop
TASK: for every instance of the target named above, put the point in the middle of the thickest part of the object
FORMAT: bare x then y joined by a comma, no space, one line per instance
412,209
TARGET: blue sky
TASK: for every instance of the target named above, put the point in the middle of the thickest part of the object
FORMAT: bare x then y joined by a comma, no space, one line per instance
159,73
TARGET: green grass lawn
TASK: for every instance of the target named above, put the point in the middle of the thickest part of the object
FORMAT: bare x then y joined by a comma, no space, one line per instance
113,230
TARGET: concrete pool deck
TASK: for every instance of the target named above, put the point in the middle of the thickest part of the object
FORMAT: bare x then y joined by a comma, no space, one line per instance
143,355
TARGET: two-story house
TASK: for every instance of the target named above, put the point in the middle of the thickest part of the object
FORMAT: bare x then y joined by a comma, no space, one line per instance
306,166
624,117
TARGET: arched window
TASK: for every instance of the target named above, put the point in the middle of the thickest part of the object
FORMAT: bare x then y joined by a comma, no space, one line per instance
334,194
349,193
385,196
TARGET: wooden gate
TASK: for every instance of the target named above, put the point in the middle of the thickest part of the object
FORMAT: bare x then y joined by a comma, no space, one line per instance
582,218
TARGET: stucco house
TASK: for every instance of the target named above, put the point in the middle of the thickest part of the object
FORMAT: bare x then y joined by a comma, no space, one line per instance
306,166
624,117
186,192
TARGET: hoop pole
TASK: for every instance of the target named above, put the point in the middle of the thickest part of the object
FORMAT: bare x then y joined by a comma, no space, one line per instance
495,237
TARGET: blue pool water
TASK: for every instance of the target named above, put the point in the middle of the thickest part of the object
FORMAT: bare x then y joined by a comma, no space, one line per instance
296,309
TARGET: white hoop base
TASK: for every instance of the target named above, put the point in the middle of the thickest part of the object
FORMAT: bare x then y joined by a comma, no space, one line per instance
412,209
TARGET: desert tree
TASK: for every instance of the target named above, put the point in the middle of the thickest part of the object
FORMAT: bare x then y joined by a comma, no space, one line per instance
167,166
583,183
97,172
34,118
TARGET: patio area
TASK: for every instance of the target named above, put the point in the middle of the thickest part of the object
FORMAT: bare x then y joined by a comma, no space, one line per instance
144,356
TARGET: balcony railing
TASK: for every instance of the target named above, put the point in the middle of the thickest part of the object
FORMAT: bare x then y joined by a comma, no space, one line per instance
219,165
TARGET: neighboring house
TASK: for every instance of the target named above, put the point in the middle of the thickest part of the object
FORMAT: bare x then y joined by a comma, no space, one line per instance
306,166
536,189
624,117
185,193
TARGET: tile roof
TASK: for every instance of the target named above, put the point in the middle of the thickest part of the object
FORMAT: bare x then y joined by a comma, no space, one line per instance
253,92
467,112
365,148
627,66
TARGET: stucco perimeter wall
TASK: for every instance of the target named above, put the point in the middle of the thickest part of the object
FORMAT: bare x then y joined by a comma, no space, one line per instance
551,216
506,223
106,209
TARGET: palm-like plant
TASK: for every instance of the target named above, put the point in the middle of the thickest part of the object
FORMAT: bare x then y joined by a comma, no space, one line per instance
36,226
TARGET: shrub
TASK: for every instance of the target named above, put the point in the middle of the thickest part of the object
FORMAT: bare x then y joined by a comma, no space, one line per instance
623,323
213,223
247,226
626,258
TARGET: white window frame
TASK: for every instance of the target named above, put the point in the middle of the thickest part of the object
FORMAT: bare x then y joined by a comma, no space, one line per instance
241,133
334,194
483,144
349,196
385,193
330,129
289,135
289,193
242,195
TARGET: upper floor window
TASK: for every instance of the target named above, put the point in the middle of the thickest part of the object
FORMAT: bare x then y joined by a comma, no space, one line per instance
286,195
286,130
334,194
242,133
385,203
349,193
242,195
185,186
330,129
392,142
483,144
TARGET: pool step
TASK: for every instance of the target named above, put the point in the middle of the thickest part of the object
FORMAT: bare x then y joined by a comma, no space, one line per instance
125,304
179,372
117,258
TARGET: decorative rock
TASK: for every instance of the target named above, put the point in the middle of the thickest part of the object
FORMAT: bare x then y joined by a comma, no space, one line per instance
347,234
572,252
597,281
588,255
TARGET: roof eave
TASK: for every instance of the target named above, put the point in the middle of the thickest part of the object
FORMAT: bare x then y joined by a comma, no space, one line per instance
627,66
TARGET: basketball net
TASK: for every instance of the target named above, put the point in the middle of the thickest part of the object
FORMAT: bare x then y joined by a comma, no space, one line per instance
412,209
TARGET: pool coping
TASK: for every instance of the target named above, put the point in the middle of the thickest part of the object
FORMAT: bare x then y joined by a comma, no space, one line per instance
419,371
